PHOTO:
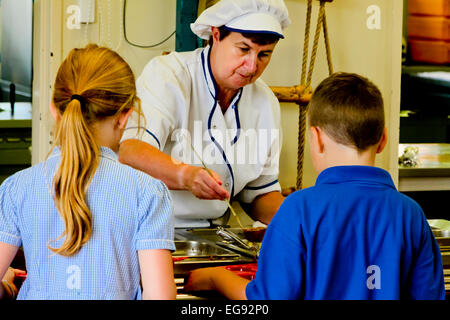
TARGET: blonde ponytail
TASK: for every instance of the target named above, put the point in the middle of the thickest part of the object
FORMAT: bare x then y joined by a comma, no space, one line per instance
92,84
79,160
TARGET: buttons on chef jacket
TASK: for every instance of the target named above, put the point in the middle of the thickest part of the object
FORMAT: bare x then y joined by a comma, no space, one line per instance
227,185
214,126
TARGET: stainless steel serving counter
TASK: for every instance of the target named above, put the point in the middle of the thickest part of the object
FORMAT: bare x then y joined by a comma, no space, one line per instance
200,248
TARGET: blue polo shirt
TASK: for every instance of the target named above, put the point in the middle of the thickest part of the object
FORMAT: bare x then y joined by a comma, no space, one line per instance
351,236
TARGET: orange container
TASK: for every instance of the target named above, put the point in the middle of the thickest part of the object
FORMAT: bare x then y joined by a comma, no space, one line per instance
429,7
437,28
430,51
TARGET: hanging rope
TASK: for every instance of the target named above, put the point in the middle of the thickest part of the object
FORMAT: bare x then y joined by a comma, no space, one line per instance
302,109
306,42
316,43
321,23
327,44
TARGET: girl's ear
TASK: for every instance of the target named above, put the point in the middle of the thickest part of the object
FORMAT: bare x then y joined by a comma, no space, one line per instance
383,141
123,118
54,112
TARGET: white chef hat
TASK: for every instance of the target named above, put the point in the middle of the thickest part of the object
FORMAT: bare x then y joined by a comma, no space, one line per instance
250,16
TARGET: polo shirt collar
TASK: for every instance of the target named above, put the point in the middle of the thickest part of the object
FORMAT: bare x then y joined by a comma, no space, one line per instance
105,152
358,174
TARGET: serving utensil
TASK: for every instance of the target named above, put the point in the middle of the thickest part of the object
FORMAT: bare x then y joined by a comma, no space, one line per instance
210,173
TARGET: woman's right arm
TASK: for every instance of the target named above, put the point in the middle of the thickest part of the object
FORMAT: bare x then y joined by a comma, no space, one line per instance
177,176
157,274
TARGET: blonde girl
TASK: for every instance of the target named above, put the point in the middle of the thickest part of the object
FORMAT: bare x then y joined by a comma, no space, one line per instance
91,227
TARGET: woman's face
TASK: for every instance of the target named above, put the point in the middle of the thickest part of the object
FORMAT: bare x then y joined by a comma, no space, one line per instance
237,61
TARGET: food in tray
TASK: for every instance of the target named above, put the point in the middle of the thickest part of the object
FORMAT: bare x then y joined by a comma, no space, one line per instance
254,234
409,158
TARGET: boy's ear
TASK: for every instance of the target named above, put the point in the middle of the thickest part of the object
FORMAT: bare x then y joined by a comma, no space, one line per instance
317,138
123,118
383,141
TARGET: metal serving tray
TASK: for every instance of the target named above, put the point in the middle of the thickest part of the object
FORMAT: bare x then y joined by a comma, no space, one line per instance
200,249
211,234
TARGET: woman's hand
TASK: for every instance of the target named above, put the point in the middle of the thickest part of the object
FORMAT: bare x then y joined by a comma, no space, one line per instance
203,184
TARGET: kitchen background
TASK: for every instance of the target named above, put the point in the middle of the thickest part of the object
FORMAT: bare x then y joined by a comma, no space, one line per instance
365,37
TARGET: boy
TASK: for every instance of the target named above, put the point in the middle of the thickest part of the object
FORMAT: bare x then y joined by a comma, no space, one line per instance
352,235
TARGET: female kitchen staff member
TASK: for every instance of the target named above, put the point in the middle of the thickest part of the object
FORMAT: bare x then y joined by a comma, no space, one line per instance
212,101
90,226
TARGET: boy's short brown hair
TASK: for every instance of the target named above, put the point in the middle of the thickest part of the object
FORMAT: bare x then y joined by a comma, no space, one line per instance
349,108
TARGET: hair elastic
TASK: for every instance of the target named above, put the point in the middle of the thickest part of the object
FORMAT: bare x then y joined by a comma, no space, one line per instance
81,99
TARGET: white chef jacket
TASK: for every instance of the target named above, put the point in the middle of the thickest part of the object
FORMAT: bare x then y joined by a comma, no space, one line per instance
181,112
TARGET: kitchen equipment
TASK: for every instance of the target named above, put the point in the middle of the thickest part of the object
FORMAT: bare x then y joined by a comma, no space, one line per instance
234,242
197,253
229,235
226,200
197,249
252,253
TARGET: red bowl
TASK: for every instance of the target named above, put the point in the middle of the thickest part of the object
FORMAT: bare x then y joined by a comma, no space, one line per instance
247,271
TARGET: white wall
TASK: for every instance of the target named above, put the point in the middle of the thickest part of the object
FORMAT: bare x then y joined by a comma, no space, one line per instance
375,54
147,22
